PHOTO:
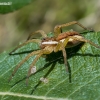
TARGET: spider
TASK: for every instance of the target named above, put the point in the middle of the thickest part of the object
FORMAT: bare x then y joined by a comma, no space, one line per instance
59,42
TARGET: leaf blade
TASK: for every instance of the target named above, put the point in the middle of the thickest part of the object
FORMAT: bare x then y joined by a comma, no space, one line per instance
7,6
84,68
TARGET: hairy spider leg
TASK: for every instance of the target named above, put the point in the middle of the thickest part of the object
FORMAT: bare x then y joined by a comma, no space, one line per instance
39,31
32,66
61,46
64,44
86,41
58,28
25,59
46,50
65,59
29,41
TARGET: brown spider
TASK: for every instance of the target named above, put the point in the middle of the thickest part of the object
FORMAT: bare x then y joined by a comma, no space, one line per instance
59,42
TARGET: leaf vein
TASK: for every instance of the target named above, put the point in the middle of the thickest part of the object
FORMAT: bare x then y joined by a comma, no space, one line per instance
30,96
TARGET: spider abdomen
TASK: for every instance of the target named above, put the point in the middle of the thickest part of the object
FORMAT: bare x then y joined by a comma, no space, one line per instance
66,34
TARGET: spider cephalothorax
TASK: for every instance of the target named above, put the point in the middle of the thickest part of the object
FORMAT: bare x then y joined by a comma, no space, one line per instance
59,42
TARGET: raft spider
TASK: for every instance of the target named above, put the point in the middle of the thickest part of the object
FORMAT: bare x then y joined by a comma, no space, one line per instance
59,42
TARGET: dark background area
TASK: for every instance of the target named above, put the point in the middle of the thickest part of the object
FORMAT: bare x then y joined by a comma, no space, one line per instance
44,15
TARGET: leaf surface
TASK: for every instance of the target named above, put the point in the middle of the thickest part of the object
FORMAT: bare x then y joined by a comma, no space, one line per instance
85,75
7,6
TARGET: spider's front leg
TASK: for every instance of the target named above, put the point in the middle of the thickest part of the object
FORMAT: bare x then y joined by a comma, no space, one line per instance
58,28
39,31
29,41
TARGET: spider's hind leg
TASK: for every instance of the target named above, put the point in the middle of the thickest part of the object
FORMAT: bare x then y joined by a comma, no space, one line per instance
82,39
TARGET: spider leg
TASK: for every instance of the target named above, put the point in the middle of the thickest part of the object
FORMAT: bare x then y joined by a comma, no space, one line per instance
39,31
29,41
87,41
64,44
58,28
46,50
65,59
32,66
25,59
61,45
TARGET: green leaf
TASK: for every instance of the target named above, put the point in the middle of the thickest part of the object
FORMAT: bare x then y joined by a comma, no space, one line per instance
85,72
7,6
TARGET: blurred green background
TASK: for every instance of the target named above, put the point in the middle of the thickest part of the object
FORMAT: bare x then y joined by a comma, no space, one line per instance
44,15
